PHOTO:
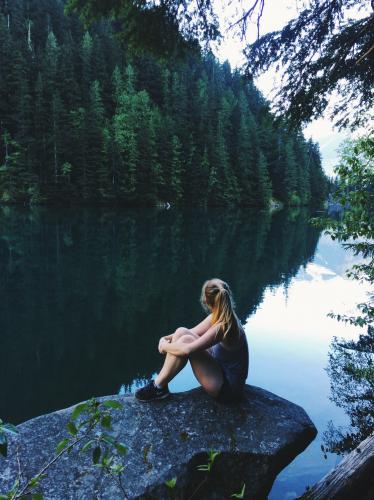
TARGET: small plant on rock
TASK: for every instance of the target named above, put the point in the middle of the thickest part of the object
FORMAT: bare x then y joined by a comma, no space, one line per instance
89,431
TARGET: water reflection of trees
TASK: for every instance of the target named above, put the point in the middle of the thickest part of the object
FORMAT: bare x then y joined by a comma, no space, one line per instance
351,370
351,363
85,294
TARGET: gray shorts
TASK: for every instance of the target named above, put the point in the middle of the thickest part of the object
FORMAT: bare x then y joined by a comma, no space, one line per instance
229,394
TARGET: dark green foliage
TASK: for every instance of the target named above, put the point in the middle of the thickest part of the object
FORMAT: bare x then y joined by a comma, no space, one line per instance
4,430
351,371
327,48
355,229
139,23
351,363
88,427
83,121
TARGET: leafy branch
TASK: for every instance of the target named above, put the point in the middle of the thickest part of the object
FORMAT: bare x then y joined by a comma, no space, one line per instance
84,420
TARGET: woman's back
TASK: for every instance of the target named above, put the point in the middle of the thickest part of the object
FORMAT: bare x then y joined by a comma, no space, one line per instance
233,360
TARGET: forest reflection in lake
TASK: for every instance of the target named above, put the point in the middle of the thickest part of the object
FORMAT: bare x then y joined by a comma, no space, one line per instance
86,293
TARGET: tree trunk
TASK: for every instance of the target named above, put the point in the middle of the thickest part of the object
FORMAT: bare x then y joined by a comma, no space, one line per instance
352,478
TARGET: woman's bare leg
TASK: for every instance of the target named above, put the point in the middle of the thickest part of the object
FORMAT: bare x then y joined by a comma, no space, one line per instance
207,371
174,364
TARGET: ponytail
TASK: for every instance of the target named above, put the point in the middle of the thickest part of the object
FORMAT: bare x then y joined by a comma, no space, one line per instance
217,297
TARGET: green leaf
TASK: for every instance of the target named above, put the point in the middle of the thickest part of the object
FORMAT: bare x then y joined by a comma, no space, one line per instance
106,421
71,428
170,483
12,429
121,448
203,467
37,496
213,455
108,439
107,460
87,445
111,403
3,438
14,487
96,454
34,481
78,410
240,494
61,445
117,468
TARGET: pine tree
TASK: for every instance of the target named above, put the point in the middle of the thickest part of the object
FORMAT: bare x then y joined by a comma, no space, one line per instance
318,183
87,66
40,126
176,170
263,188
302,169
97,176
125,134
10,188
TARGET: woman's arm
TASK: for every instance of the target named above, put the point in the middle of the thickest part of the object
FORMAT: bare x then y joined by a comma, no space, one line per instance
182,348
202,327
199,329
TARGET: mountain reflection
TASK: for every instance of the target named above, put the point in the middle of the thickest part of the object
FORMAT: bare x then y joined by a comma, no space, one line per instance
86,293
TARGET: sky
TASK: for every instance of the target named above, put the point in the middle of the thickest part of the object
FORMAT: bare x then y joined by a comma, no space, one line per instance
275,15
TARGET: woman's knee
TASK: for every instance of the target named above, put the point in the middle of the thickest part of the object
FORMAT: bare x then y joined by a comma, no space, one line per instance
179,332
184,332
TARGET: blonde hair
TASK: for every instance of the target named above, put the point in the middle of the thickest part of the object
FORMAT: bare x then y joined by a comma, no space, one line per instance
216,296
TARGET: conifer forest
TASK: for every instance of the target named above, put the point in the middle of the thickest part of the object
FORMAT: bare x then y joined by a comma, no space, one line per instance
84,120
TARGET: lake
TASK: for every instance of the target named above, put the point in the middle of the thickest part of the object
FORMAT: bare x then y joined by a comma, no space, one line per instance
87,293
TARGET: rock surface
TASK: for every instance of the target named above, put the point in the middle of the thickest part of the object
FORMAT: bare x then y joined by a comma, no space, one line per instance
167,439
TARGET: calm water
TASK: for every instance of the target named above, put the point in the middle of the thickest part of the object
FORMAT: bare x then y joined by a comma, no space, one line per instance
86,294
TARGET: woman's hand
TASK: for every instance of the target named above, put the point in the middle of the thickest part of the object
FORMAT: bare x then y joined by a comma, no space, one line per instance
177,347
162,341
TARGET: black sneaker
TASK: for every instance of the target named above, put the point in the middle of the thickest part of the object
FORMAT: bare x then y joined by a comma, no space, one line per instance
150,392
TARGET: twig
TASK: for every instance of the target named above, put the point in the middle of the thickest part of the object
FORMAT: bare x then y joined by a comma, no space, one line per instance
366,53
19,464
119,479
24,489
247,15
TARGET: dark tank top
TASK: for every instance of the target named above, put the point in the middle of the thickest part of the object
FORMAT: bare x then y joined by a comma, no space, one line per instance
234,363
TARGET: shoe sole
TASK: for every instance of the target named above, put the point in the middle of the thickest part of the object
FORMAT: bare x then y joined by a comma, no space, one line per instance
153,399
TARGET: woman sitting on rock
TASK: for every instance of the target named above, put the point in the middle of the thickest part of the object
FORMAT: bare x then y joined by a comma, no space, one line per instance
216,348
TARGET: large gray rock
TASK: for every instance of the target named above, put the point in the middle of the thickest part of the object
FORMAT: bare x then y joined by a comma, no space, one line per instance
170,438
